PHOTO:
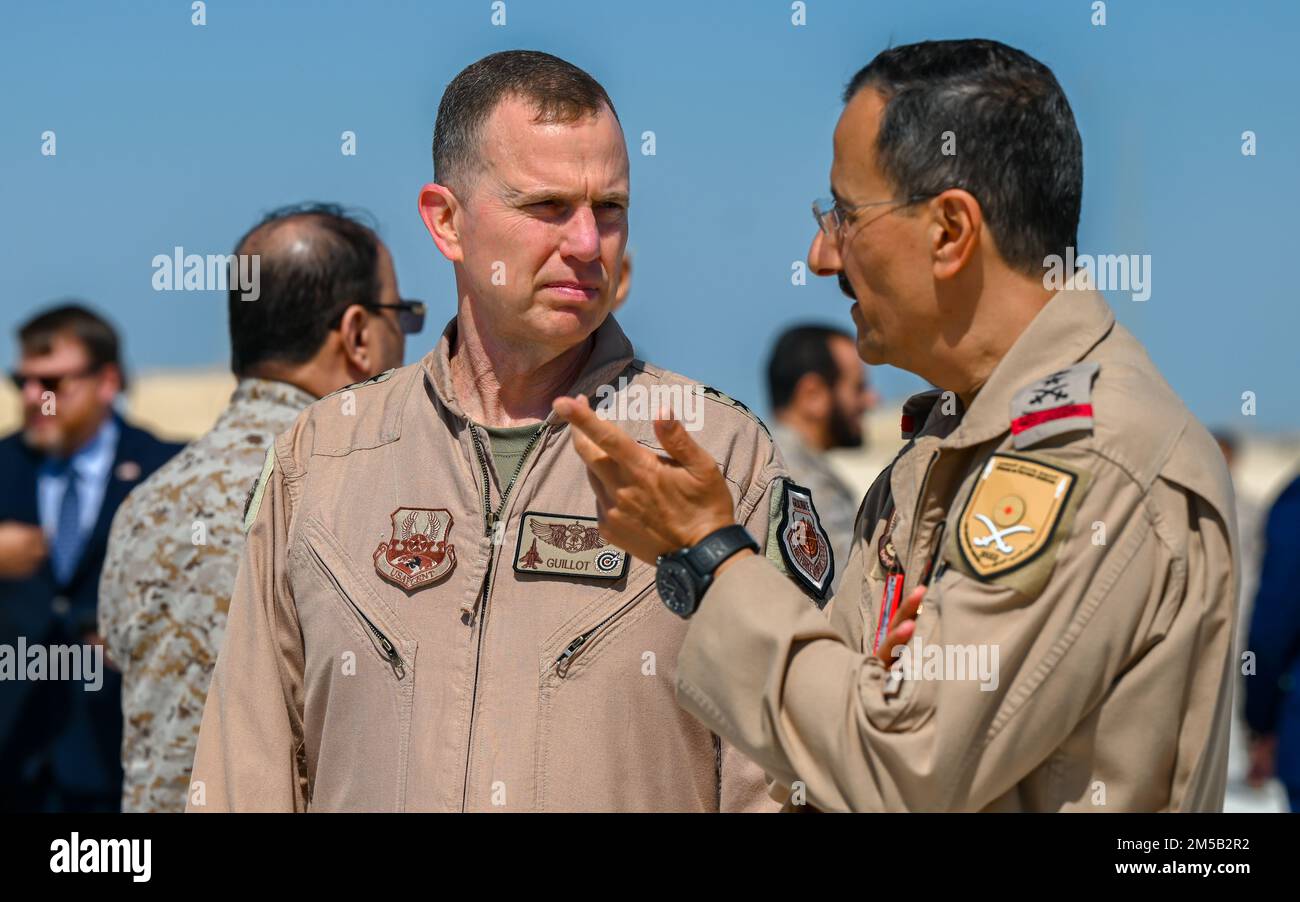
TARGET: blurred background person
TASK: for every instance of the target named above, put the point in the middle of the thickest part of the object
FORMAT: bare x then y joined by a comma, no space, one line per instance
1273,690
63,476
818,391
328,315
1244,792
1250,521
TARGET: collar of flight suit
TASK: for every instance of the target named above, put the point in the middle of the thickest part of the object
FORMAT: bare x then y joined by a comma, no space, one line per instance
1069,326
611,353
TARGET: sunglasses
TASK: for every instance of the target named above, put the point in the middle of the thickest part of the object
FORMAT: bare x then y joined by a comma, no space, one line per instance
48,383
410,314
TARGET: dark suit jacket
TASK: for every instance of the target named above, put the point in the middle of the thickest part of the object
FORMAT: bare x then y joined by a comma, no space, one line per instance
58,719
1273,692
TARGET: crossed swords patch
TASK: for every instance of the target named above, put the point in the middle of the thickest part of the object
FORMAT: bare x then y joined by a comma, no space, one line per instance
1013,510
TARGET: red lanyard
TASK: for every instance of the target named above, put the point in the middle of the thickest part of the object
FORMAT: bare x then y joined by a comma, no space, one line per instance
894,580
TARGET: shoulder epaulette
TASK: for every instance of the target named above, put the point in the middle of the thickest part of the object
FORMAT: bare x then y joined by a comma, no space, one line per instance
1061,402
711,392
373,380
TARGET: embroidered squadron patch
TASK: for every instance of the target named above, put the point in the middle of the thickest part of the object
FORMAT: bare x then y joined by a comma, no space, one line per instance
1014,508
804,544
567,546
417,552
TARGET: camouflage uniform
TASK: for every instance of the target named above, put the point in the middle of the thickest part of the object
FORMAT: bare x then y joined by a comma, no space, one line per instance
165,589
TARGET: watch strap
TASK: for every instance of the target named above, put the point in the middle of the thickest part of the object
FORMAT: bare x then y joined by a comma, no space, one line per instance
707,555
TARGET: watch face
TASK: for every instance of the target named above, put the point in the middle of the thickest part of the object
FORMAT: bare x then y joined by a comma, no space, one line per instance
675,587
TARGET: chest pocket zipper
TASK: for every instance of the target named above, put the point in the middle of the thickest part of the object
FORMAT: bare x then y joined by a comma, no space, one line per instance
386,648
587,639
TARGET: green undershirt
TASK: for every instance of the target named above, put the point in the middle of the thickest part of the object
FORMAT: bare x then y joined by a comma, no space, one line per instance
508,446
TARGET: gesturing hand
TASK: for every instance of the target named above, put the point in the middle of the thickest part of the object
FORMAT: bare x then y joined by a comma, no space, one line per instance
22,548
648,505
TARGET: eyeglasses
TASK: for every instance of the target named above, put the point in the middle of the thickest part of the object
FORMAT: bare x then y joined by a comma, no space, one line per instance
410,314
49,383
832,216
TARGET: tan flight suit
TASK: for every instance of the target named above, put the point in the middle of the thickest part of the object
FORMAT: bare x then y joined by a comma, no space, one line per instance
392,645
1087,553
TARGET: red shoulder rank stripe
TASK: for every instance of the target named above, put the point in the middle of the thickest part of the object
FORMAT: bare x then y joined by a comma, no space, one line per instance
1038,417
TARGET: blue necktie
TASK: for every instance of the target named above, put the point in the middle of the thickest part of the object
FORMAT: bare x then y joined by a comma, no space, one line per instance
67,531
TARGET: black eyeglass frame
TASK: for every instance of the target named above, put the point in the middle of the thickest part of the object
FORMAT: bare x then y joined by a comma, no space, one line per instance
410,314
51,383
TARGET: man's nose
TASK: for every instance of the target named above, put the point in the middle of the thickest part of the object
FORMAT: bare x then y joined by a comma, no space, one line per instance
32,391
823,255
581,235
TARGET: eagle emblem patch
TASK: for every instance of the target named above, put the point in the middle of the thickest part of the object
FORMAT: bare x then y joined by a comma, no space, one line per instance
417,553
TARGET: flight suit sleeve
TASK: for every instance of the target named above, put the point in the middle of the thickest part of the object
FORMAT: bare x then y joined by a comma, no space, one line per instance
743,785
769,673
250,754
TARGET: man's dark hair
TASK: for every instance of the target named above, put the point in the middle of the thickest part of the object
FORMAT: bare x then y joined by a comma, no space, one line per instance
316,260
800,350
560,91
96,335
1018,148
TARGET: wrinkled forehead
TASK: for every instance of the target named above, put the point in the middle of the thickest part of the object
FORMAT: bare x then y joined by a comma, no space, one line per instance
520,153
855,174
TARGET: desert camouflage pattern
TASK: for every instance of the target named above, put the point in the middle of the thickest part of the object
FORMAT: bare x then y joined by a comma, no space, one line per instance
172,557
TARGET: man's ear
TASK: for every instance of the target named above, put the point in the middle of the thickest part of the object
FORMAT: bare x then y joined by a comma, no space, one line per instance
110,383
438,207
956,226
356,340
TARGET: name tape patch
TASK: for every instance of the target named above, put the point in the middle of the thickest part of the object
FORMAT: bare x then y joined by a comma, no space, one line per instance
566,545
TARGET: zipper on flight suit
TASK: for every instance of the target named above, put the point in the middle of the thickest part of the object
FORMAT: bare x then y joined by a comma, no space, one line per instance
584,641
390,650
920,504
892,598
916,525
386,648
893,601
490,520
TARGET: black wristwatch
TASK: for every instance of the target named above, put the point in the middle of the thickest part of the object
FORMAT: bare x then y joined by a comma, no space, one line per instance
683,576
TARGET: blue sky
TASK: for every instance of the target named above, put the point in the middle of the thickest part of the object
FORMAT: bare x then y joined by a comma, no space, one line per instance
171,134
